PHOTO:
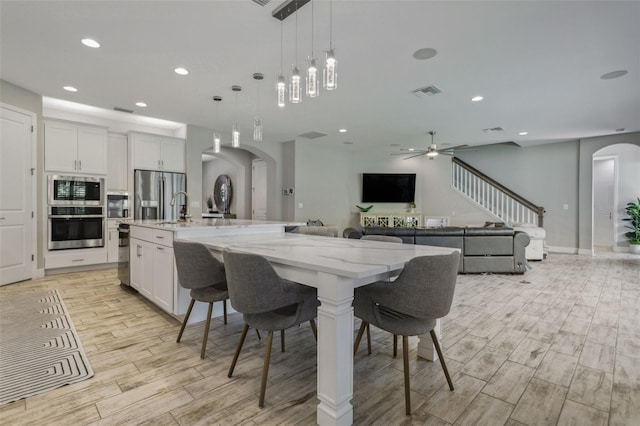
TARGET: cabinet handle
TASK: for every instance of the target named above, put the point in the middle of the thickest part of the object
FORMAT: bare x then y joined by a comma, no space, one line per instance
138,250
159,237
77,260
79,164
160,248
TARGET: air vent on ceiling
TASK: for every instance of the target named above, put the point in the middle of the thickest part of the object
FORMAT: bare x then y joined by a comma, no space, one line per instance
261,2
313,135
130,111
493,129
427,91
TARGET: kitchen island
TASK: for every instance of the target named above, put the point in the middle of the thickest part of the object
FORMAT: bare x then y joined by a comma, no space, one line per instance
152,268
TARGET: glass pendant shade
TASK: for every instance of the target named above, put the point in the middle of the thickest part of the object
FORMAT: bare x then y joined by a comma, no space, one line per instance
280,88
235,136
295,87
257,129
312,79
216,143
330,73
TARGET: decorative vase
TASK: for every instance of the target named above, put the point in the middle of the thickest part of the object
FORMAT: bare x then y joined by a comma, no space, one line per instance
634,248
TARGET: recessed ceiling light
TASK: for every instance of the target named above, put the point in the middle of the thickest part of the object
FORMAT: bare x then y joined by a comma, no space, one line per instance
613,74
426,53
70,89
181,71
343,130
141,104
412,149
477,98
523,133
89,42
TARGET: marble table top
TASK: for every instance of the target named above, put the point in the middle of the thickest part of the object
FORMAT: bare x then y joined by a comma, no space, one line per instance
345,257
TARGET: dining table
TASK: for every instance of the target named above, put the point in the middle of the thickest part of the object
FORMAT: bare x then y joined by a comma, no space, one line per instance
335,267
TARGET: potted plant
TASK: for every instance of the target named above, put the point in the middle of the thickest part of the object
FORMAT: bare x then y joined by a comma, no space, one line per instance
412,207
210,203
633,236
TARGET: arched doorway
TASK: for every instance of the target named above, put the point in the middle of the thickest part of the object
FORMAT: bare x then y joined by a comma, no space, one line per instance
616,173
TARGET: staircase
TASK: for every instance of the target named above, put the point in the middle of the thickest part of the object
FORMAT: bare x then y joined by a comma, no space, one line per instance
492,196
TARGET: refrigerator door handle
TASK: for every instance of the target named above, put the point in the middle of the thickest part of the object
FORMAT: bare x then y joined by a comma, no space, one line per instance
162,200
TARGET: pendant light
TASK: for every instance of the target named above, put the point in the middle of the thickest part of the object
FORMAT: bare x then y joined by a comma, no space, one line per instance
235,131
280,85
257,122
330,73
216,135
295,88
312,72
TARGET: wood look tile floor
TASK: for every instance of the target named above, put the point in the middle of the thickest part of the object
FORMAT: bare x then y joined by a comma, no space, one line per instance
558,345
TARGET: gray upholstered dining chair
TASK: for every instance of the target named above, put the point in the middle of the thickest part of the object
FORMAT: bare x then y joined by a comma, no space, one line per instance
410,305
204,275
385,238
267,302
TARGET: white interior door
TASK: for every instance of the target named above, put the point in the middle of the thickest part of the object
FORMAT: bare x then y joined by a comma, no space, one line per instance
15,196
603,202
259,190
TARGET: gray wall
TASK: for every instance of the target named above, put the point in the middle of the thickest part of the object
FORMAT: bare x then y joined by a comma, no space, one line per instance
11,94
239,171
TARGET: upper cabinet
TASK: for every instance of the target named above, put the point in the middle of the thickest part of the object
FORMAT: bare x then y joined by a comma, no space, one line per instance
117,162
76,148
156,152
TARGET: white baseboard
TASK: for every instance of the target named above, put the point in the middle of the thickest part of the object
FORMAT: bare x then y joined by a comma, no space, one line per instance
567,250
587,252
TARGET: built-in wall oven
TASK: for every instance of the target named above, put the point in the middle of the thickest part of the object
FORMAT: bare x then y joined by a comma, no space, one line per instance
76,212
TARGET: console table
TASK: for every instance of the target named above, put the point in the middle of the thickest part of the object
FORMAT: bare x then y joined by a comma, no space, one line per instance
391,220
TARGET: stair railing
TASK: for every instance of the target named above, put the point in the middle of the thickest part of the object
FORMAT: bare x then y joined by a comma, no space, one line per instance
494,197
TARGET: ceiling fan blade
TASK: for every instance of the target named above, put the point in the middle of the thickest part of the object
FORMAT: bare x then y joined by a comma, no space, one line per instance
412,156
413,150
452,148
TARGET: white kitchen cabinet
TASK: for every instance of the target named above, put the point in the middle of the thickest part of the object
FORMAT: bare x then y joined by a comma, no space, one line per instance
117,154
112,245
76,148
156,152
151,265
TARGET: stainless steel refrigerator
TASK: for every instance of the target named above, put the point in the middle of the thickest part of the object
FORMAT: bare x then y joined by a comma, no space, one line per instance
152,194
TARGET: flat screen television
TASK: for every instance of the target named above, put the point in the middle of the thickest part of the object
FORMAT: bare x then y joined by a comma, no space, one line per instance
388,187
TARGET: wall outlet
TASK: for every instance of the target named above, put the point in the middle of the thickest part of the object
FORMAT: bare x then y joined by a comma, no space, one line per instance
300,205
565,206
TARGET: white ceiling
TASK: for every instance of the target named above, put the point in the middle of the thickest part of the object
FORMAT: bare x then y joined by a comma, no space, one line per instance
537,64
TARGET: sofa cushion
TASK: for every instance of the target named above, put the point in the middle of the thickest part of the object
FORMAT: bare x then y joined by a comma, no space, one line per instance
489,231
446,231
407,234
488,246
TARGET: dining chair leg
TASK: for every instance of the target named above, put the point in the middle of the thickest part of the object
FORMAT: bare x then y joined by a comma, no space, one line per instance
186,318
407,385
369,338
439,351
314,329
240,343
224,307
206,331
258,334
363,325
265,369
282,340
395,345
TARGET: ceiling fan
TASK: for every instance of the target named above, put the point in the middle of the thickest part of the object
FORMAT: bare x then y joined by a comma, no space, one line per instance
431,152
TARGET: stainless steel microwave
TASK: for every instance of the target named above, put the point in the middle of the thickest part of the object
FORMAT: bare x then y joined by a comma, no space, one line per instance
76,191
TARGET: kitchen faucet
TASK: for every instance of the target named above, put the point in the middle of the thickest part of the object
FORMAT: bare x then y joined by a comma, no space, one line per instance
183,217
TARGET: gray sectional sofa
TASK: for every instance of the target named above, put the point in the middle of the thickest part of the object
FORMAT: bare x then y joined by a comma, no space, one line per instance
490,249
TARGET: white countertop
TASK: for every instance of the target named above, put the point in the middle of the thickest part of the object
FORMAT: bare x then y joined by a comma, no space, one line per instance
208,224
